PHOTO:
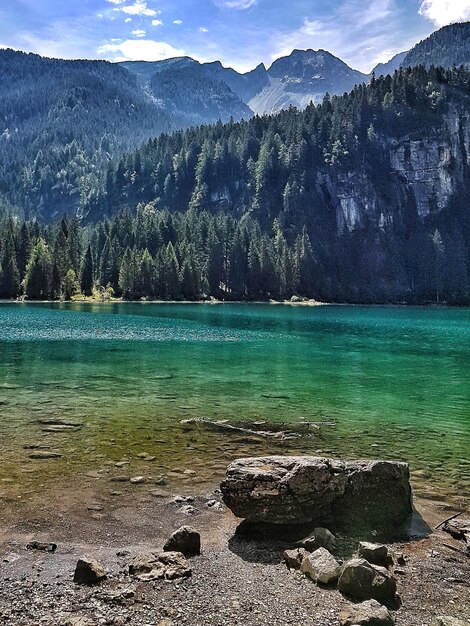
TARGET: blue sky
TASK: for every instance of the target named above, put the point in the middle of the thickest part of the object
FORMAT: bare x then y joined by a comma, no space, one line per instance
240,33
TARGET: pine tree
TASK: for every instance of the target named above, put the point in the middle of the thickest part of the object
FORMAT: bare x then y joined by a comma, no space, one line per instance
86,281
9,274
37,281
171,278
146,276
128,274
71,286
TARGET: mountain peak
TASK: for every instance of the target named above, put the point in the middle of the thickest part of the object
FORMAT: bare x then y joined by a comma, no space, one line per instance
305,61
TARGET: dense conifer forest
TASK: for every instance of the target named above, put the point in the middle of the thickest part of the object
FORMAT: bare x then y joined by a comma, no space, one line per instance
61,122
245,210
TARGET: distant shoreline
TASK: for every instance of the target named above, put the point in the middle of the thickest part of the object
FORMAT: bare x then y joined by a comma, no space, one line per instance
301,303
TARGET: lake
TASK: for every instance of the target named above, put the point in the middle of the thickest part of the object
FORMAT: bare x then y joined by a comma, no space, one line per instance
384,382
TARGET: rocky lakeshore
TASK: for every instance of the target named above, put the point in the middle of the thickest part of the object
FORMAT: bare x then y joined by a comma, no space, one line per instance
228,574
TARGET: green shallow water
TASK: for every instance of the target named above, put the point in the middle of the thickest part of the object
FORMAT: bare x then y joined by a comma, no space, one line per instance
396,382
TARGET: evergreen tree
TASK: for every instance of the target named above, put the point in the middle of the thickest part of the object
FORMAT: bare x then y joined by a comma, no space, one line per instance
128,274
86,282
37,281
71,286
171,278
9,274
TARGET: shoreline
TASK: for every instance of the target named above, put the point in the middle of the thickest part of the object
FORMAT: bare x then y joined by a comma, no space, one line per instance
235,580
302,303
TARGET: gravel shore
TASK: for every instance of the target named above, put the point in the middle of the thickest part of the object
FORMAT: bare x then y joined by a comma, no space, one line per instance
235,581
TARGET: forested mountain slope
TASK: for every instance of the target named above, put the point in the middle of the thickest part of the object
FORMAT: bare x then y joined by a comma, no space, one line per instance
400,141
446,47
245,86
361,199
61,121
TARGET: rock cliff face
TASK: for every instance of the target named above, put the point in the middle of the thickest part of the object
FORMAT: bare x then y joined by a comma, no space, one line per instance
422,171
433,168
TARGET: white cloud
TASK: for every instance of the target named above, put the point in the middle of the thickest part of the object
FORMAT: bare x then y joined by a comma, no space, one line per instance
240,5
139,50
357,32
128,19
157,23
116,1
177,22
203,29
138,8
443,12
139,33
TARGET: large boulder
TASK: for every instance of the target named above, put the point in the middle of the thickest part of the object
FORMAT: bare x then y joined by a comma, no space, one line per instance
317,490
360,580
321,567
369,613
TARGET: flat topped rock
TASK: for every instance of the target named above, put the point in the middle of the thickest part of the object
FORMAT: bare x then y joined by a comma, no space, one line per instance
369,613
308,489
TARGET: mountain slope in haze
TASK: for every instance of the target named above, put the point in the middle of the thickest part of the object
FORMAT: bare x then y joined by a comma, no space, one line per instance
446,47
190,93
302,77
190,90
61,122
382,69
245,86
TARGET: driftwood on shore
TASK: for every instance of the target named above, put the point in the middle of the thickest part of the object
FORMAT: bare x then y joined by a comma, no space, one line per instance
251,429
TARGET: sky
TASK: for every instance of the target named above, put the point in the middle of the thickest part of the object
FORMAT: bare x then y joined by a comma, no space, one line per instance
240,33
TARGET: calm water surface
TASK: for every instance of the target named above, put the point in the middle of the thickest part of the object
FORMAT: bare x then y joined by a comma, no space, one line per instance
396,382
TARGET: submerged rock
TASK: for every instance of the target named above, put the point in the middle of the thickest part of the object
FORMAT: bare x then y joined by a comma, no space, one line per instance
369,613
137,480
321,566
43,454
360,580
306,489
185,540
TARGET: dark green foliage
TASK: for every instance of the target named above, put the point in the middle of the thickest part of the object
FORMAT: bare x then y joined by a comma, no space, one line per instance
86,282
61,123
191,92
446,47
248,210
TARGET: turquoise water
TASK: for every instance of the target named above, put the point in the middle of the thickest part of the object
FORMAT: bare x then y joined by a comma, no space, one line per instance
395,382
